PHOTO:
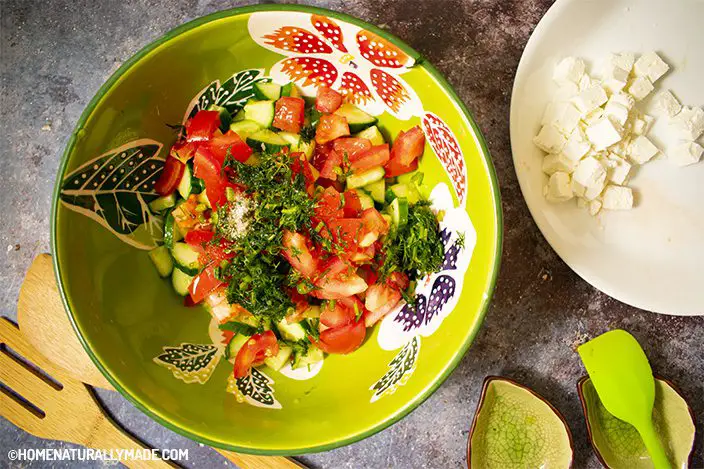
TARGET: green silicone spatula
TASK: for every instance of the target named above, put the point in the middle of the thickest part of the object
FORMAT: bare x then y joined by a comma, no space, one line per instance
624,382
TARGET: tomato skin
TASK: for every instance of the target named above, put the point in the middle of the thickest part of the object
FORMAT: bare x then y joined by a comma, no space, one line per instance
379,301
289,114
184,151
203,284
296,252
170,176
334,160
337,315
394,167
254,352
345,232
330,127
344,339
409,145
209,168
398,280
300,165
329,205
374,221
220,145
368,274
198,237
378,155
352,146
341,286
216,253
327,100
353,207
202,126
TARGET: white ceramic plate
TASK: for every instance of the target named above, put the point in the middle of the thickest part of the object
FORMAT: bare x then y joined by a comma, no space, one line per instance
651,257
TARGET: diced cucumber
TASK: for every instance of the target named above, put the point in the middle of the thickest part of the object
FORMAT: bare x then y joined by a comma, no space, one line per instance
163,203
250,320
239,116
234,345
162,260
298,144
398,209
202,198
407,191
365,199
261,112
197,185
225,117
387,217
293,139
181,281
357,119
266,141
312,312
287,89
377,190
266,91
372,134
291,331
245,128
171,231
280,359
365,178
314,355
184,187
413,178
186,258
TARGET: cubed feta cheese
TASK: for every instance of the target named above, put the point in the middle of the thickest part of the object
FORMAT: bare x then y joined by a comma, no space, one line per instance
604,133
640,125
640,87
582,203
689,123
617,198
616,112
650,65
613,86
590,98
594,207
624,60
569,69
577,189
566,118
622,99
576,146
686,153
612,69
566,91
589,172
549,139
585,82
593,192
593,116
667,104
618,171
553,163
641,150
559,188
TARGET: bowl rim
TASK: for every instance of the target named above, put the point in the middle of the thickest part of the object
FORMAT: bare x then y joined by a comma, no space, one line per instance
420,61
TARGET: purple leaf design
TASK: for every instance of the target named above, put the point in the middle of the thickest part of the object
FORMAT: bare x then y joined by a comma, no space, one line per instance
412,316
450,262
443,289
445,235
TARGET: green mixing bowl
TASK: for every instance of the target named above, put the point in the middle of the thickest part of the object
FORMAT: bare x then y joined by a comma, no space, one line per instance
125,315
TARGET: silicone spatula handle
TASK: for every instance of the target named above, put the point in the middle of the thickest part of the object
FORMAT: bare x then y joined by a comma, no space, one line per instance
654,445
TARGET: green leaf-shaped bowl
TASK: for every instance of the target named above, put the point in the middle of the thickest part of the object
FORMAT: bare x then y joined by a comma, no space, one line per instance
514,427
166,358
617,443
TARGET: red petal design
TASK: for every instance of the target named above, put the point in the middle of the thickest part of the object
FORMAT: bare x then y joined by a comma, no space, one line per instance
313,71
293,39
391,91
379,51
354,90
330,31
446,147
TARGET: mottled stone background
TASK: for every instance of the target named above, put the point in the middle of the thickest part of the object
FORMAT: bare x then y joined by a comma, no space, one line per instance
54,54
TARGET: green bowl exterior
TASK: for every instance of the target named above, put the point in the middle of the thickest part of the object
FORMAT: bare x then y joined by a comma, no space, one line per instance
124,314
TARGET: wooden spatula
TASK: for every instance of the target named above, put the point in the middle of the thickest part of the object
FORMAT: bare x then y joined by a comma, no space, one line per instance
45,325
63,409
624,382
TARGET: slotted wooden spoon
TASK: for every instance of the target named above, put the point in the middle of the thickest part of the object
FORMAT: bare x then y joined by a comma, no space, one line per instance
45,325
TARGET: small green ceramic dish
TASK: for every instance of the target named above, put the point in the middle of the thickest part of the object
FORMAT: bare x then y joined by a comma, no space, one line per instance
514,427
166,358
617,443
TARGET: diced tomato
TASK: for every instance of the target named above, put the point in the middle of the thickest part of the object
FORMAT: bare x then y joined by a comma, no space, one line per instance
299,164
375,156
335,184
296,251
199,237
329,205
374,226
363,255
331,166
351,146
395,168
254,352
215,253
353,207
346,232
226,336
340,287
289,114
332,267
343,340
409,145
202,126
209,168
330,127
380,300
170,176
368,274
229,141
327,100
320,155
337,314
203,284
185,214
398,280
188,301
184,151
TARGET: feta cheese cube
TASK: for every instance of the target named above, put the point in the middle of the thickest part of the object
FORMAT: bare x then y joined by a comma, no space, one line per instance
594,207
593,116
593,192
622,99
566,91
618,172
612,69
569,69
549,139
566,118
613,86
640,125
590,98
589,173
585,82
604,133
686,153
553,163
576,146
641,150
624,60
616,112
689,123
617,198
650,65
578,190
640,87
559,188
667,104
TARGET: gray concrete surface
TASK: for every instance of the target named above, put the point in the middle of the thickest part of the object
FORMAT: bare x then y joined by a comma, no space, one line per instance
54,54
